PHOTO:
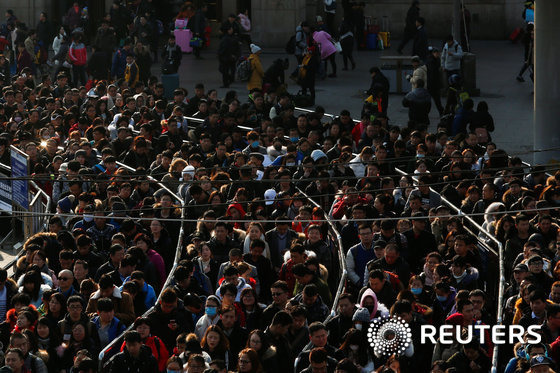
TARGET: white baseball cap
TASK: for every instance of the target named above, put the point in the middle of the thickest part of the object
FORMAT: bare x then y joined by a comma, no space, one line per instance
269,196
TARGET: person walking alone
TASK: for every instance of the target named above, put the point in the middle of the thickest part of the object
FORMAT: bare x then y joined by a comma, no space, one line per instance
227,56
347,44
410,25
434,78
257,72
328,50
529,43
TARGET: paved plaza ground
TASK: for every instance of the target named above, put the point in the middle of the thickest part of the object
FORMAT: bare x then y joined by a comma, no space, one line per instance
498,62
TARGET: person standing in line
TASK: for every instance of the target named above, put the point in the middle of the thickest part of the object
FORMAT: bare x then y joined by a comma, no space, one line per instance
410,25
330,12
420,47
434,77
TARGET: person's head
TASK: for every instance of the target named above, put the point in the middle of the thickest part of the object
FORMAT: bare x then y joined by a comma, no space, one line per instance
280,292
228,317
133,342
19,341
392,253
214,339
376,280
105,310
365,233
15,359
318,359
346,305
168,300
537,301
75,306
318,334
249,361
195,364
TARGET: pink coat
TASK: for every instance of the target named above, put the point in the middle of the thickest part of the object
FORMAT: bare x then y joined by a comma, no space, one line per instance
324,40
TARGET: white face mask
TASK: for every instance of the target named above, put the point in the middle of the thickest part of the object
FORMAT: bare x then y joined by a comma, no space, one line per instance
358,326
354,347
461,276
88,218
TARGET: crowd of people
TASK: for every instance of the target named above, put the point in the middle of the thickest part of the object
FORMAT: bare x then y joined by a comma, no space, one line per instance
197,233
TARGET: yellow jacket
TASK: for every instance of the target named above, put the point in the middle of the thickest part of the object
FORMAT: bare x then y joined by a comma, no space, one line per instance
257,73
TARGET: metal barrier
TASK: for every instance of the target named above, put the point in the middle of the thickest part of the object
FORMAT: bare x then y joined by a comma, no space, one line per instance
36,217
116,343
499,254
343,273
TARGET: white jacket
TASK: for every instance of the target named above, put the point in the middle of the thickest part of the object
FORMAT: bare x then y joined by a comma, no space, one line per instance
451,56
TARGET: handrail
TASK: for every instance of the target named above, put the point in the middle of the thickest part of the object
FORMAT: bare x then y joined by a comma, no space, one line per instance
499,254
332,116
342,270
168,282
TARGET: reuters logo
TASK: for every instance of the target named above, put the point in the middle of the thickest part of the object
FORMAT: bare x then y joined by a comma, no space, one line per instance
389,335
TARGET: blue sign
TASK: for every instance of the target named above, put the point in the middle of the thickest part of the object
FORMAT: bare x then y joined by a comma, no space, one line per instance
5,194
20,172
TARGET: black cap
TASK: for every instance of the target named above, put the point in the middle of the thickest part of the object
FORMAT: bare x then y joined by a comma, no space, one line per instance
521,268
540,360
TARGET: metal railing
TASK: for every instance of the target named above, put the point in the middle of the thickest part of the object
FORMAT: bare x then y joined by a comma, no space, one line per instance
37,216
117,342
343,273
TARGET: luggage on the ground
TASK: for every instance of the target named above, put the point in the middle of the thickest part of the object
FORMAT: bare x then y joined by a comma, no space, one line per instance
385,38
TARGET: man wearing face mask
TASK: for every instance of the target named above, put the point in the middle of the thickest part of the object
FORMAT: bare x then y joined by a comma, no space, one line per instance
87,219
254,145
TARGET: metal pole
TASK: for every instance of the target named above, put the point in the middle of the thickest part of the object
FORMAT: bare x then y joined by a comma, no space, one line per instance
547,94
456,31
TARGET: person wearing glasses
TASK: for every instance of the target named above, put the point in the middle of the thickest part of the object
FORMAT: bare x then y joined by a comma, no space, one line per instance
249,362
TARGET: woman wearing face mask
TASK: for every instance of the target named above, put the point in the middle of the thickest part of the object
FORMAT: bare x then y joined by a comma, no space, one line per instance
421,294
210,317
355,348
444,301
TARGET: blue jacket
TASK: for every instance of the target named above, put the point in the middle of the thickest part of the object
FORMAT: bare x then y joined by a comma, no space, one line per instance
119,63
115,329
151,297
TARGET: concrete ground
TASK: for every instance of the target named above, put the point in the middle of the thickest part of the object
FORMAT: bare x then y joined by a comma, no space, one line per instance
498,62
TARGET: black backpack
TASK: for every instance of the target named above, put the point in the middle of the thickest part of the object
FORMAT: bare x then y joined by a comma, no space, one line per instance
291,45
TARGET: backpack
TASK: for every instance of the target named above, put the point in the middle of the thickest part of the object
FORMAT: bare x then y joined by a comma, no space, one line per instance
243,70
291,45
331,7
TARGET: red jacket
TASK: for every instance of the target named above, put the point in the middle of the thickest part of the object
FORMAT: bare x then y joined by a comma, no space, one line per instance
158,350
78,54
340,206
